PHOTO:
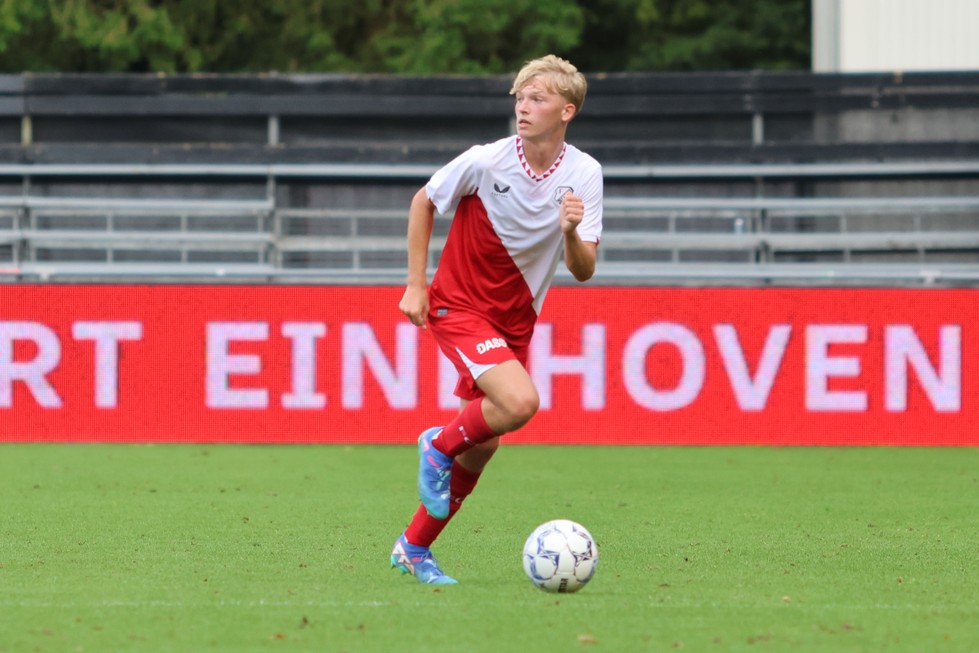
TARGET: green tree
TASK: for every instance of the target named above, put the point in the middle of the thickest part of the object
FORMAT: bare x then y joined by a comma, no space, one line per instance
24,27
634,35
476,36
86,35
399,36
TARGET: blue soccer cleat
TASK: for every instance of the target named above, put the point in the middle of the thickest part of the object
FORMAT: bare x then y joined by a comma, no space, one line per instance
419,562
434,469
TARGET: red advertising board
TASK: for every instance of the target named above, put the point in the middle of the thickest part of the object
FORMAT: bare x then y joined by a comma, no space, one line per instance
219,363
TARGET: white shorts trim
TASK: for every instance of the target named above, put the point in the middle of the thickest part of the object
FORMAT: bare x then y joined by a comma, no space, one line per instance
475,369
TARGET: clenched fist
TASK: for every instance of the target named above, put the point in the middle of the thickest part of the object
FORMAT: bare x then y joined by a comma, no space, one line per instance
571,212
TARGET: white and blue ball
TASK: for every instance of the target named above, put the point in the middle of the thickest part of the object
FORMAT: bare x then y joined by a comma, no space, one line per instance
560,556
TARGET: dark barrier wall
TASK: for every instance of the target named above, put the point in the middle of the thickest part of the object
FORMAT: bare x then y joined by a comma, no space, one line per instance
628,118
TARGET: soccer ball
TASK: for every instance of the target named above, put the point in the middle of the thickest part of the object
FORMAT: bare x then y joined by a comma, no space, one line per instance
560,556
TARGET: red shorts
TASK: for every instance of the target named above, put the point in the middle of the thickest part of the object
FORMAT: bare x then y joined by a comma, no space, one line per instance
473,345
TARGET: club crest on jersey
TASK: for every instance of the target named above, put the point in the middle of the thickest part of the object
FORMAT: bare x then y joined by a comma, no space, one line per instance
500,191
490,343
561,192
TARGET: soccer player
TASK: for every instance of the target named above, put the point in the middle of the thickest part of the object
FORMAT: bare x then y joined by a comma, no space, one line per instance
521,205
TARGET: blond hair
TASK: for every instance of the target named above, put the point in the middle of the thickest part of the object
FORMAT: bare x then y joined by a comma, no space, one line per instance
558,75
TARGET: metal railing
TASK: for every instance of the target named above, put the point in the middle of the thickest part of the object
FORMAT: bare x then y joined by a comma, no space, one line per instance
648,239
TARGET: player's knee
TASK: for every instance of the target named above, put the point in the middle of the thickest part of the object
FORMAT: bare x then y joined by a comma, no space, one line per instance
523,407
512,407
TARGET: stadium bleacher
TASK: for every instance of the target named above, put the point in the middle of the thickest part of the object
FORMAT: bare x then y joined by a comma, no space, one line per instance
764,178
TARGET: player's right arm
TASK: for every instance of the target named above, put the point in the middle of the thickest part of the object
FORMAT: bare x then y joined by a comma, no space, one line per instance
421,216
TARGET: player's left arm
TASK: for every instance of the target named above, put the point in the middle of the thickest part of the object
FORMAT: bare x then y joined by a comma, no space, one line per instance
581,224
579,255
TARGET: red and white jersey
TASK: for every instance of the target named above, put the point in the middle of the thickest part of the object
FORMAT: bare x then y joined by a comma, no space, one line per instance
505,240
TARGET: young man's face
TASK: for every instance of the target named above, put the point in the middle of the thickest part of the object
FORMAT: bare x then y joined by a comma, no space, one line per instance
540,112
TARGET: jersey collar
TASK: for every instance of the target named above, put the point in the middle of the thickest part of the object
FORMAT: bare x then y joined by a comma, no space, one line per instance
533,175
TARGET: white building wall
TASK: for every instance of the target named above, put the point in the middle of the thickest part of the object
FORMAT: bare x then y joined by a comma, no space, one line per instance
895,35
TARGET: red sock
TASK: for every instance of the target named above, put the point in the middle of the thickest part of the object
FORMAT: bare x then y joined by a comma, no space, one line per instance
468,429
424,529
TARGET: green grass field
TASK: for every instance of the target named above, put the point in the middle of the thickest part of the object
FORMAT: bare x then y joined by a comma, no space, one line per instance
285,548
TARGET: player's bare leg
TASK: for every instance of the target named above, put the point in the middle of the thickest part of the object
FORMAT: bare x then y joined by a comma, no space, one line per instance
511,397
510,400
476,459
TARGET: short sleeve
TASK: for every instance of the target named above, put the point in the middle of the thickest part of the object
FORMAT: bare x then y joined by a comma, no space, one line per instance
592,195
455,180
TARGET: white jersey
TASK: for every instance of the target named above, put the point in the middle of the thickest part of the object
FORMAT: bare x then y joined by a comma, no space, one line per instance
505,240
